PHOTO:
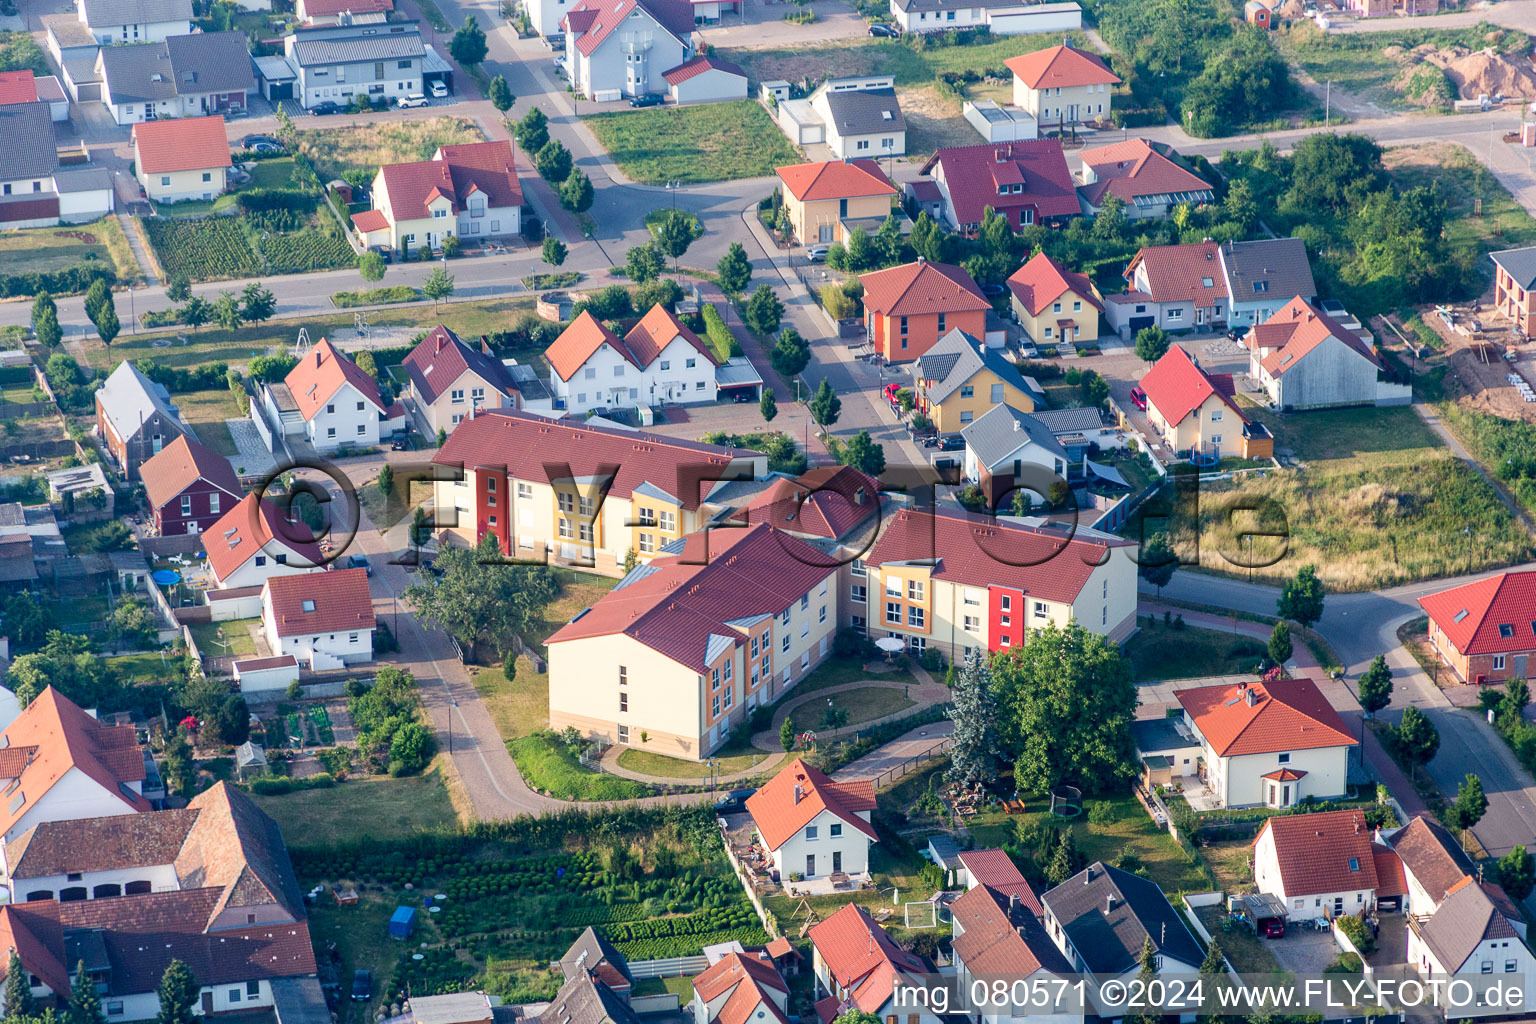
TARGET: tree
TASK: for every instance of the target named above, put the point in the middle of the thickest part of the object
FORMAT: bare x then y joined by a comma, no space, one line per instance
468,46
862,453
973,709
1158,562
1147,959
927,238
735,270
476,596
1240,207
84,1003
576,191
860,252
500,95
196,312
421,523
410,749
132,623
533,130
1280,646
45,321
764,311
1376,686
824,405
790,353
1301,597
675,232
644,263
18,989
371,266
1517,873
257,303
179,288
386,481
787,735
857,1017
1110,221
1067,705
438,286
553,161
1517,694
1417,738
226,311
178,993
555,251
768,406
1470,805
1066,860
102,311
1152,344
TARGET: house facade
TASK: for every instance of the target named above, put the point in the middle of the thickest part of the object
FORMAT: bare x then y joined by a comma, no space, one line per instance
470,190
135,21
182,158
1195,411
1062,86
1514,285
1008,450
998,938
325,619
1205,285
659,361
180,76
340,403
858,967
907,309
741,988
812,825
1053,304
339,62
861,123
820,197
1482,630
999,17
1326,864
1305,359
618,50
452,380
135,419
958,379
189,487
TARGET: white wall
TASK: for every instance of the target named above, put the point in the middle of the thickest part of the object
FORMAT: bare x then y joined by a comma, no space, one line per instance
261,679
347,418
84,207
161,877
142,32
252,574
607,380
351,646
1326,768
74,795
176,186
853,845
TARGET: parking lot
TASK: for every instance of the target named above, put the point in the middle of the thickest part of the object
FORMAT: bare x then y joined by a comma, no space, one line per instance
1303,951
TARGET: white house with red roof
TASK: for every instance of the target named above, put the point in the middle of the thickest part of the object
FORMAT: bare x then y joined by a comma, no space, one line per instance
1062,86
181,158
705,79
998,937
469,190
1027,182
682,650
1205,285
812,825
1326,865
1143,175
451,379
1195,411
859,967
1485,630
325,619
332,12
659,361
253,542
616,49
740,988
1267,744
340,402
1304,358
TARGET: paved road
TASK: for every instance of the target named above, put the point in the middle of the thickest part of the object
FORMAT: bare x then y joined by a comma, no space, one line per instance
1520,14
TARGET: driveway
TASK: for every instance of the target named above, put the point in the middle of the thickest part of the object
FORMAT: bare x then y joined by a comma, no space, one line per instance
1302,951
761,26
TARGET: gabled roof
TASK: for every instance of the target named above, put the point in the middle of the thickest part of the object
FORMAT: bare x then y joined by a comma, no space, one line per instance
835,179
996,870
486,167
974,174
798,793
183,65
640,347
1297,329
861,958
660,327
1060,67
1467,917
244,530
1136,168
1177,386
672,16
322,371
31,150
826,502
102,14
1041,281
586,1000
99,844
1182,273
1431,855
128,399
32,929
1000,938
697,66
1391,879
331,8
1322,853
235,847
733,969
1002,430
17,87
750,1003
1264,717
181,464
1487,616
593,954
921,288
181,144
442,357
370,220
865,111
353,44
1267,267
1519,264
320,602
1109,914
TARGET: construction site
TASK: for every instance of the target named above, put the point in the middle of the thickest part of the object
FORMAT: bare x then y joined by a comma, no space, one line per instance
1492,365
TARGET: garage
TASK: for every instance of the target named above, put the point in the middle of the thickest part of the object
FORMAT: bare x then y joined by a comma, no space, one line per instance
1138,322
706,79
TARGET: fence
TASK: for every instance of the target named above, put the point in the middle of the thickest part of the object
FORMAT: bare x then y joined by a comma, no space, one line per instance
770,923
23,410
666,1003
670,967
912,763
1203,899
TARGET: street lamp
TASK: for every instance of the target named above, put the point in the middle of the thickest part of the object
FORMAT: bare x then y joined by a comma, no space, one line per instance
673,187
452,710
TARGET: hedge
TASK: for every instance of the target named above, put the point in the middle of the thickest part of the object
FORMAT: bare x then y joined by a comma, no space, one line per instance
720,337
260,200
276,785
56,282
376,296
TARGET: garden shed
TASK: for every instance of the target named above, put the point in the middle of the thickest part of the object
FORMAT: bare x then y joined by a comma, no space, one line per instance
402,923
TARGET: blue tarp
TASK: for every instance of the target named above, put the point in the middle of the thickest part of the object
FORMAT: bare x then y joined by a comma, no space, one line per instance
402,922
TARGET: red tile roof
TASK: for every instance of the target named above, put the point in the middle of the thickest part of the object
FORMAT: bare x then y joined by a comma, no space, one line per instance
1177,273
861,958
17,87
487,167
640,347
1390,877
1326,852
835,179
975,173
442,357
997,939
673,16
1264,718
1134,168
1042,281
922,287
978,551
320,602
1060,67
826,502
734,968
1177,386
798,793
370,220
181,144
697,66
1493,615
34,932
321,373
658,329
181,464
1296,330
681,601
330,8
750,1004
244,530
1434,857
996,869
528,446
1284,775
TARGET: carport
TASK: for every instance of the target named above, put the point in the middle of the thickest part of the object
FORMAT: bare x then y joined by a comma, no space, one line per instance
737,376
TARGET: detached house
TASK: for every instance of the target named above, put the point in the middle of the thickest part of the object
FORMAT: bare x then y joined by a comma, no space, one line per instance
189,487
325,619
135,21
1101,917
337,63
821,198
182,158
658,361
1053,304
1485,630
181,76
470,190
998,937
1026,182
1514,285
1326,865
740,988
854,117
340,403
1306,359
957,380
1008,450
35,191
451,379
623,49
1142,175
1267,744
135,419
253,542
909,308
859,967
812,825
1195,411
1062,86
1001,17
596,957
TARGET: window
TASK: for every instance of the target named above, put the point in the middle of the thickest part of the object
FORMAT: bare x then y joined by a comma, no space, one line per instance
207,175
1487,967
893,586
972,624
624,734
903,325
728,670
914,590
165,179
253,989
784,643
941,323
1216,416
915,618
730,696
805,601
714,706
261,560
524,490
856,568
1040,611
822,617
647,543
689,363
1284,758
1498,661
567,501
858,593
835,831
753,655
1176,314
810,831
967,416
967,391
1006,603
996,394
234,995
893,612
114,1009
1260,287
457,396
1509,965
618,371
668,521
403,65
186,504
213,503
362,428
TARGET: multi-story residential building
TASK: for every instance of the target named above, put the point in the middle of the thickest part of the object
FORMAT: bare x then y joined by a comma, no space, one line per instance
338,62
959,582
578,493
835,508
813,825
624,49
340,403
1483,630
469,190
181,158
1054,305
687,645
999,17
859,967
1027,182
1305,359
1062,86
182,76
1205,285
325,619
1142,175
135,418
189,487
135,21
451,379
821,198
1195,411
1514,285
960,378
34,190
658,361
909,308
253,542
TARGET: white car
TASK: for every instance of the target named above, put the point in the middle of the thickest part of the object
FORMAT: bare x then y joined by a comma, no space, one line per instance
414,100
439,89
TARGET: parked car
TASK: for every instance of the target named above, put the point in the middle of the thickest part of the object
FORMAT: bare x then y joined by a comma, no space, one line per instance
362,986
1272,928
1139,399
952,443
413,100
439,89
384,251
816,253
1028,352
891,391
561,67
734,801
650,99
359,562
328,107
883,31
252,141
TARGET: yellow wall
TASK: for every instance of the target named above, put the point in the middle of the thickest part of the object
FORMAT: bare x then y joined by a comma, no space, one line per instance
947,415
1195,431
1085,315
806,218
184,184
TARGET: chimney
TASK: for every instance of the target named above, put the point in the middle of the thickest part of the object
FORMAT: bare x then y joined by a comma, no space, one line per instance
1088,874
798,792
858,496
1017,426
1013,902
1109,903
1253,698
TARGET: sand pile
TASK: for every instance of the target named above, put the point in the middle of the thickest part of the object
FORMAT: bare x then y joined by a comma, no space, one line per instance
1484,73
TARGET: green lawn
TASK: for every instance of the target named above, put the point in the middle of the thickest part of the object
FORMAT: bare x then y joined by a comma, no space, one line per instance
637,760
45,249
680,987
519,708
550,767
144,667
206,411
1502,222
236,641
1246,952
1161,652
709,142
369,146
836,671
888,57
1362,436
362,808
863,704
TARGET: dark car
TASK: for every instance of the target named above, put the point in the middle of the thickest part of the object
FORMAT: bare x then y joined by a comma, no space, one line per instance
384,251
952,443
883,31
252,141
321,109
359,562
734,801
648,100
362,986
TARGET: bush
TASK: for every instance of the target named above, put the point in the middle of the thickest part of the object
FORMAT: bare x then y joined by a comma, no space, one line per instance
57,282
276,785
720,337
1359,933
